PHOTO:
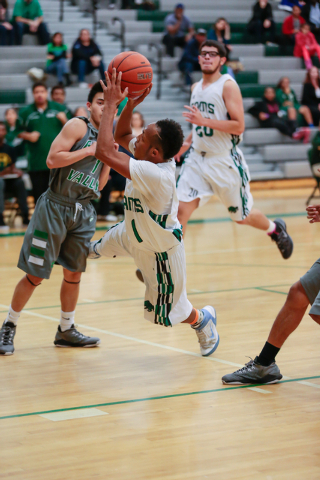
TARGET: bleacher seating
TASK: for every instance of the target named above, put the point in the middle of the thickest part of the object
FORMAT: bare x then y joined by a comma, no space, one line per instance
268,153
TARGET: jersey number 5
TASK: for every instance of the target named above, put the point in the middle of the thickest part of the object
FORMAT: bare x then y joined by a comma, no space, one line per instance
206,131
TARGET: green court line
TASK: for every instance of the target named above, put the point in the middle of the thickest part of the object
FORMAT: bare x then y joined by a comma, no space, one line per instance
147,399
271,291
142,298
191,222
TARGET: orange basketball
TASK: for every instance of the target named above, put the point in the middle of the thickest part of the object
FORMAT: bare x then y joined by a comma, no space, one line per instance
136,72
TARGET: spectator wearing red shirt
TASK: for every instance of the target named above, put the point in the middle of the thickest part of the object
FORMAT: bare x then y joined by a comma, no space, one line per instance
292,24
306,45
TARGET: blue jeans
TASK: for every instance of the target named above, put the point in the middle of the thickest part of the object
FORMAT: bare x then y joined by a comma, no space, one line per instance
187,67
83,67
58,68
16,187
22,28
6,36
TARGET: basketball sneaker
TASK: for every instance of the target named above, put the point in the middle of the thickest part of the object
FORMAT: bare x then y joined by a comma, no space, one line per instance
253,373
7,333
73,338
208,336
282,238
93,254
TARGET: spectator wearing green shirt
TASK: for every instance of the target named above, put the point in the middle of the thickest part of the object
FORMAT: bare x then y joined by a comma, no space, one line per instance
41,122
58,95
57,55
27,17
289,104
13,130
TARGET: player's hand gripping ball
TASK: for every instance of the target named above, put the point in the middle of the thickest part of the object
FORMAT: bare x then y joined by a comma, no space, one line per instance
136,72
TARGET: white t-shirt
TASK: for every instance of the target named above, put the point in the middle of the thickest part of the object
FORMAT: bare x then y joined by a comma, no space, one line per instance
151,205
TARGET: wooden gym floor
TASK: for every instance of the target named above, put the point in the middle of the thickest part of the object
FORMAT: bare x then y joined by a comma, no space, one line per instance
145,404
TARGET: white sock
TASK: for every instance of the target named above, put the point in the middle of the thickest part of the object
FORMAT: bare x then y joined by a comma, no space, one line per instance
66,320
12,316
272,227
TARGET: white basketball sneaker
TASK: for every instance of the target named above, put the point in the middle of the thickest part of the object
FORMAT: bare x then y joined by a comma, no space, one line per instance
208,336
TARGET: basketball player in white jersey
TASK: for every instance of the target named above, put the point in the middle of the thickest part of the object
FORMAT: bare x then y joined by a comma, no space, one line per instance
215,165
150,232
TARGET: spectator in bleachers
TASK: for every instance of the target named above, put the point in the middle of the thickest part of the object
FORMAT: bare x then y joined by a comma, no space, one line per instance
306,45
289,104
291,25
311,93
57,55
28,18
189,61
137,123
262,23
41,122
86,57
311,13
179,30
58,95
221,32
288,5
13,130
81,112
268,113
13,185
6,29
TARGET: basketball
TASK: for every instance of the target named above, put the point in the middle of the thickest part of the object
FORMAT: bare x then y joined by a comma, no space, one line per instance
136,72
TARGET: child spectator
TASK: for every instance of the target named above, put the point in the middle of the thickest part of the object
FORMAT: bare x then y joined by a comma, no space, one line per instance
6,29
86,57
306,45
291,25
221,32
311,93
189,61
262,22
137,123
179,30
268,113
289,104
28,18
57,55
10,180
58,95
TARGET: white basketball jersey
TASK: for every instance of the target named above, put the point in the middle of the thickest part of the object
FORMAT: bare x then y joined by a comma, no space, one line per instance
211,105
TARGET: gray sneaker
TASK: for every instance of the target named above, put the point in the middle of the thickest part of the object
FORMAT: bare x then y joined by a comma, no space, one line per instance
253,373
208,336
7,333
73,338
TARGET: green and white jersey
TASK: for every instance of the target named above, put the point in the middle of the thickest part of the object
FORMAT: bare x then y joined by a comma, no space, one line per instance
211,105
80,180
151,205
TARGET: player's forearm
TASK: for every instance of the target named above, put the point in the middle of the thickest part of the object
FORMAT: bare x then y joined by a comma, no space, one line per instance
186,144
123,127
63,159
234,127
104,177
105,142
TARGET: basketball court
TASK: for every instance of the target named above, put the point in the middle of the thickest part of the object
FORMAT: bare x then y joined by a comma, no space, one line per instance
145,404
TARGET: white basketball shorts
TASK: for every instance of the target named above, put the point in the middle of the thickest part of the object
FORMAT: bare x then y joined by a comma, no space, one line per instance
164,275
225,175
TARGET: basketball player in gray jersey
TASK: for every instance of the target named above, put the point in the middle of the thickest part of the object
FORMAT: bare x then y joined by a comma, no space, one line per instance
62,225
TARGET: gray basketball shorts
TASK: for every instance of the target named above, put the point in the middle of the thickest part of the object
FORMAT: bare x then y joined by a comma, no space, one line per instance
311,284
59,232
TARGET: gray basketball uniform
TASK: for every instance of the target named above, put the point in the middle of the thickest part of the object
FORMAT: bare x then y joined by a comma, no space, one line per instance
63,221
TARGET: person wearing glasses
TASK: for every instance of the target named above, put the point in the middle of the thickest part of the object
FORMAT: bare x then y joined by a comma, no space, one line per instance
215,164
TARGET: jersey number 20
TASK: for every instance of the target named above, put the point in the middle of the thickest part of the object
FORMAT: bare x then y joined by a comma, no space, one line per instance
206,131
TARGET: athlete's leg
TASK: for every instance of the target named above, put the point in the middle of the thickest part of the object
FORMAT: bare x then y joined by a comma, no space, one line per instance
70,289
185,211
24,291
256,219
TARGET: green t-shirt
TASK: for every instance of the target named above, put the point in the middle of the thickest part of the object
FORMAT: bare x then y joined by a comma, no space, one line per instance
282,97
13,140
57,51
48,125
30,10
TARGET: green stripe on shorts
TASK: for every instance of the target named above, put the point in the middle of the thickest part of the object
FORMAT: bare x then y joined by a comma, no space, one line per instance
37,251
38,233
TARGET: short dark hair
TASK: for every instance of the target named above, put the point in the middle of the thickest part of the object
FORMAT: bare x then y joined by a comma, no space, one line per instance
57,87
218,45
171,137
94,90
39,84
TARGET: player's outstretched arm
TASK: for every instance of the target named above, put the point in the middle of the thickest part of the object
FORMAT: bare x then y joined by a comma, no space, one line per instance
106,151
123,134
59,155
313,213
